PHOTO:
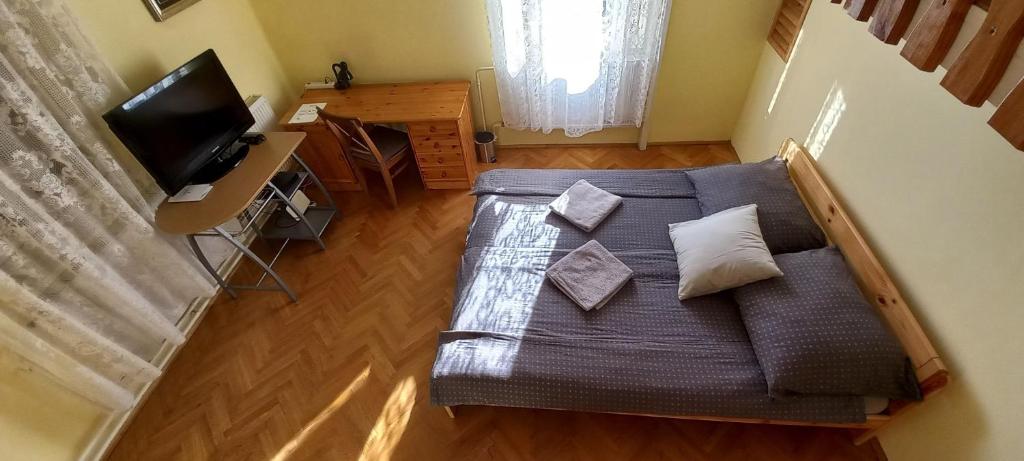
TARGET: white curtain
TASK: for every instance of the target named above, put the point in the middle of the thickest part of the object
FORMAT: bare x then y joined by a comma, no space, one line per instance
89,290
577,65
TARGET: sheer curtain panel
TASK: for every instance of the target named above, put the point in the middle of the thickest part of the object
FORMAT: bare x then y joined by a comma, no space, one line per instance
576,65
89,290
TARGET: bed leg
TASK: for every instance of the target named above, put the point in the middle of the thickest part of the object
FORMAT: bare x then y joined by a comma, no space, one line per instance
448,410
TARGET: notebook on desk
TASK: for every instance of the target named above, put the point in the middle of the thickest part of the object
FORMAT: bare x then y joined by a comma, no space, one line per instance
307,113
193,193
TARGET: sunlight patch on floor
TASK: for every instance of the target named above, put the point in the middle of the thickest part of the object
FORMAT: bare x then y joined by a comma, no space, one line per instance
390,426
289,448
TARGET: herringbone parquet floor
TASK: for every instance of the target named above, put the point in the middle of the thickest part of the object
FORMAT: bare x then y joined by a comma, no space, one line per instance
342,374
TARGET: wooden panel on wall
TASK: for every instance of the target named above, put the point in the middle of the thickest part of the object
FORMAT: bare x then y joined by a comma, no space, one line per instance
786,28
892,18
934,35
1009,118
981,65
861,10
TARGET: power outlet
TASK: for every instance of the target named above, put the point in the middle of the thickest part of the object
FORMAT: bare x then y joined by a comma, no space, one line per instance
319,85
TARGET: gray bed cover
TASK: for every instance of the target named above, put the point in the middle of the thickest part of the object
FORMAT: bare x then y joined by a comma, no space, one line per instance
516,341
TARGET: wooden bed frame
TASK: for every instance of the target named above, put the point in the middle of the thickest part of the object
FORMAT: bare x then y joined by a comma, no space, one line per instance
874,282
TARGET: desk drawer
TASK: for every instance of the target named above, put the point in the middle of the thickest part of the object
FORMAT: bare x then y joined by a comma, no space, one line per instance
425,146
443,173
441,159
434,130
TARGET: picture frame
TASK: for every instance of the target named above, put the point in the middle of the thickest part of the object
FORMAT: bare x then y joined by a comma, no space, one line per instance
163,9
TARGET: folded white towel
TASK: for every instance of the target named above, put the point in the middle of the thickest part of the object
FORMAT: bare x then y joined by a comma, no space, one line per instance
589,275
585,205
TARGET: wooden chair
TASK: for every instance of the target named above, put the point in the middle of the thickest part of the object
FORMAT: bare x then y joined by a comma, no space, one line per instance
377,148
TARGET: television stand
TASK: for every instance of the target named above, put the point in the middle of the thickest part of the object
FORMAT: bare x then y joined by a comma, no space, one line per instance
249,191
221,165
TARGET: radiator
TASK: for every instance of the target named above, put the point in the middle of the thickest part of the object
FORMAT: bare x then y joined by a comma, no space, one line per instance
266,119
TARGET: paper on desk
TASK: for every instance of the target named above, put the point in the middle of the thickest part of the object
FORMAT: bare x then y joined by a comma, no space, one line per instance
306,113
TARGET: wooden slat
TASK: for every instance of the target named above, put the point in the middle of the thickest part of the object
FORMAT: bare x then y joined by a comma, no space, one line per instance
981,65
892,18
861,10
934,35
1008,120
786,27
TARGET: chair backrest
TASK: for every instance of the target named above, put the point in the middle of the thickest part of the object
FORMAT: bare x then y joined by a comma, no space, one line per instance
351,134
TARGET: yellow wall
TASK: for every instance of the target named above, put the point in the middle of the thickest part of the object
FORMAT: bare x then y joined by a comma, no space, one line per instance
41,421
142,50
709,57
938,193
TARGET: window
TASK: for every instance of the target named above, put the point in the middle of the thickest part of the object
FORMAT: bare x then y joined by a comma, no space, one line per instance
577,65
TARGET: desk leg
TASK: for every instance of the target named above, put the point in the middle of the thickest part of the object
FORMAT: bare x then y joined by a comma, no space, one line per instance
209,268
316,180
302,216
256,259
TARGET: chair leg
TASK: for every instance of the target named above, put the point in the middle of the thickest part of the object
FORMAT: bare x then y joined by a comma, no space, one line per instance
390,184
358,172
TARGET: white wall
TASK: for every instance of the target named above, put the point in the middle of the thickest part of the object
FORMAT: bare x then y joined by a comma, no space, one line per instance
940,196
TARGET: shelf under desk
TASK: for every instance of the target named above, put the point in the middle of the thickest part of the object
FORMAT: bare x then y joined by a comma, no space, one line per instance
233,196
233,193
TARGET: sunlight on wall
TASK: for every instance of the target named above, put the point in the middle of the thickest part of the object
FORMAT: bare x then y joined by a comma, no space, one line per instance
828,118
289,448
390,426
785,70
937,193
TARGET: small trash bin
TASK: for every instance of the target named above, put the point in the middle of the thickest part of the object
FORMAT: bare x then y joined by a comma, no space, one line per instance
485,147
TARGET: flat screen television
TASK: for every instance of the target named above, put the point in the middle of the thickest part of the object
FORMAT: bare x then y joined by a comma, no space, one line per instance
184,128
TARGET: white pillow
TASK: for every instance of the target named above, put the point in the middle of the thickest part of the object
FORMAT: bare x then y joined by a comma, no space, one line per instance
721,251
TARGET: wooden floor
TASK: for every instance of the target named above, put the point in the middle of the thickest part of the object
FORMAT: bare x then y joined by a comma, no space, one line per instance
343,373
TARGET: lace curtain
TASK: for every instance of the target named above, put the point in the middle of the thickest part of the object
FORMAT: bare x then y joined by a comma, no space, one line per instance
89,291
578,65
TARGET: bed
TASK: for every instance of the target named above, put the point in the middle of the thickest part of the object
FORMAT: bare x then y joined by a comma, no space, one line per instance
516,341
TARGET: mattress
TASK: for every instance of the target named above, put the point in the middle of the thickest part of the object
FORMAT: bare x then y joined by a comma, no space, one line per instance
516,341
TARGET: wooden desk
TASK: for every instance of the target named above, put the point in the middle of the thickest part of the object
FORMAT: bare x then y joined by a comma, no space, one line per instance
437,115
232,196
233,193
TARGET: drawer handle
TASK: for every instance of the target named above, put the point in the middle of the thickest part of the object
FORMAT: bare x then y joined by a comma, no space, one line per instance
432,128
444,174
440,160
437,145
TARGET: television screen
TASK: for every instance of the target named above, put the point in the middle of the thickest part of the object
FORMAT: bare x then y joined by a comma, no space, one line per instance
182,122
